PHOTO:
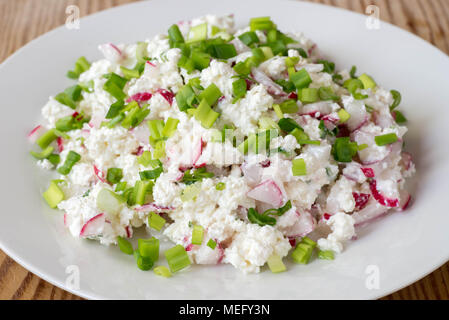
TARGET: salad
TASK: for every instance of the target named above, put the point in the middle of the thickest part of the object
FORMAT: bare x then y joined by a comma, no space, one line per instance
241,146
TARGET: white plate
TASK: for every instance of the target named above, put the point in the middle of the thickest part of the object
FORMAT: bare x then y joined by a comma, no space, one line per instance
403,247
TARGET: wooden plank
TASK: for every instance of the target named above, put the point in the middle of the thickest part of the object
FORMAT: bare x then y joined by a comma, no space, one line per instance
23,20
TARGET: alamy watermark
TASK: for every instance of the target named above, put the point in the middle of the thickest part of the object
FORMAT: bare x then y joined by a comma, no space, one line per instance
372,281
72,282
373,20
73,17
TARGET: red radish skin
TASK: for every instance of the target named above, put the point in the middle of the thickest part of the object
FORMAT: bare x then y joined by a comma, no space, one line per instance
151,64
60,143
140,97
111,52
392,203
35,133
407,160
154,207
311,49
168,95
268,192
92,226
100,175
292,242
272,87
361,200
368,172
129,232
327,216
197,152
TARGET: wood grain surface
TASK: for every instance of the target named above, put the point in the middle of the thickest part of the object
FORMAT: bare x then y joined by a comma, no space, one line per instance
23,20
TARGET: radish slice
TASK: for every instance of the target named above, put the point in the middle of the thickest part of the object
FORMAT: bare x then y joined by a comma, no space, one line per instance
316,110
252,172
373,154
268,192
197,151
383,120
359,116
129,231
272,87
303,225
111,52
240,47
407,160
405,201
368,172
353,172
96,120
140,97
94,226
361,200
311,50
392,203
168,95
35,133
371,211
142,134
100,175
153,207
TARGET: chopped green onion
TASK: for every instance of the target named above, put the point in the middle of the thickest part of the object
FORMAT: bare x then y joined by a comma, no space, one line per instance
275,264
326,93
200,60
368,82
145,158
248,38
44,154
175,35
344,150
149,248
278,47
156,127
81,65
211,94
301,52
190,192
289,106
177,258
385,139
114,175
309,242
159,150
222,51
205,115
211,244
309,95
162,271
170,127
326,255
266,123
53,195
220,186
191,177
300,135
121,186
286,85
288,124
352,72
396,99
242,68
361,147
328,67
155,221
141,189
299,167
278,111
109,202
114,86
399,117
260,219
71,159
291,61
129,73
185,98
302,253
301,79
197,235
239,89
343,115
261,23
268,53
124,245
197,33
143,263
54,159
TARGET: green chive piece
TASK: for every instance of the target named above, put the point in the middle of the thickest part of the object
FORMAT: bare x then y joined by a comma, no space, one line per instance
302,253
396,99
124,245
197,235
326,255
175,35
299,167
149,248
309,95
162,271
326,93
151,174
170,127
45,139
109,202
114,175
205,115
385,139
249,38
344,150
197,33
53,195
114,86
288,125
129,73
155,221
220,186
277,109
222,51
185,98
261,23
399,117
81,65
368,82
71,159
343,115
289,106
44,154
301,79
242,68
177,258
141,189
275,264
211,244
156,127
143,263
239,88
211,94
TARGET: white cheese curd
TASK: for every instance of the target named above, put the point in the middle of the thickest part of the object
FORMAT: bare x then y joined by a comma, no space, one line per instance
252,173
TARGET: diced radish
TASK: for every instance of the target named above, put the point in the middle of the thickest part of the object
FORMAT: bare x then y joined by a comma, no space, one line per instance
153,207
368,172
140,97
189,247
380,197
303,225
197,151
316,110
331,118
359,116
361,200
111,52
168,95
179,176
240,47
142,134
407,160
269,192
366,156
292,95
100,175
60,143
371,211
151,64
35,133
327,216
272,87
94,226
405,201
383,120
353,172
96,120
252,172
292,242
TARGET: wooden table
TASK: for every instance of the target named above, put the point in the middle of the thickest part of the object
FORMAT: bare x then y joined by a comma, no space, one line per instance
24,20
